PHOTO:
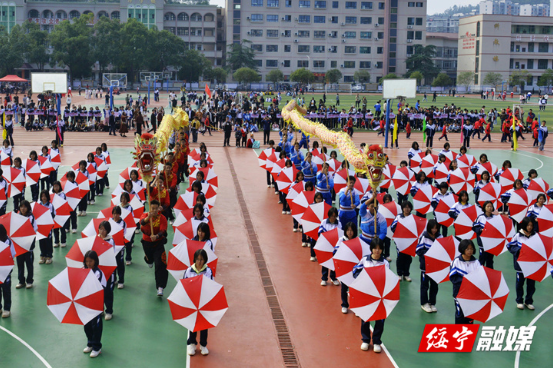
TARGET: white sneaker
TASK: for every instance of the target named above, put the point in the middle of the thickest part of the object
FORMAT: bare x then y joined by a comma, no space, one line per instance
87,350
108,317
159,291
29,286
95,353
323,283
294,230
407,278
80,214
530,306
279,202
313,259
83,213
191,349
426,307
74,231
344,310
92,201
128,263
284,212
137,231
87,202
63,245
48,260
400,278
203,350
519,305
434,309
66,230
365,346
42,260
268,186
377,348
304,244
6,314
336,283
57,245
276,193
120,286
288,212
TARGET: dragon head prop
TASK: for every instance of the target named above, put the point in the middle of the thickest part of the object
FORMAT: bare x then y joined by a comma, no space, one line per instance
146,155
375,160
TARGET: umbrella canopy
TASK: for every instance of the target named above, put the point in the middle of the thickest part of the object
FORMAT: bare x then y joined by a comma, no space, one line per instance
5,160
466,161
126,175
333,165
428,163
46,166
324,248
188,229
182,256
423,198
439,257
186,201
449,156
20,231
318,159
43,219
209,176
464,222
361,186
536,187
90,169
136,204
341,179
32,170
497,232
6,262
209,192
483,294
55,158
390,211
262,158
403,180
300,203
62,209
313,217
277,167
442,210
271,159
117,232
545,220
126,215
3,198
198,303
489,166
518,204
15,181
441,172
72,193
83,184
415,162
75,296
285,178
536,257
387,174
407,234
508,177
347,256
101,167
462,179
106,256
294,190
491,192
374,293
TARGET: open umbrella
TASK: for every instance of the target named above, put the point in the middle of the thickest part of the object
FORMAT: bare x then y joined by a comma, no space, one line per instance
55,158
439,257
390,211
117,232
461,179
318,159
186,201
428,163
341,179
537,186
324,248
277,167
347,256
62,210
83,183
374,293
536,257
5,159
415,162
3,198
15,181
466,161
408,231
262,158
387,174
126,175
182,256
441,212
518,204
489,166
126,215
497,232
20,231
465,220
72,193
440,173
361,186
300,203
75,296
491,192
6,261
545,220
32,170
209,176
294,190
46,166
101,167
106,256
333,165
313,217
508,177
271,159
449,156
198,303
285,178
423,198
189,229
403,180
43,220
483,294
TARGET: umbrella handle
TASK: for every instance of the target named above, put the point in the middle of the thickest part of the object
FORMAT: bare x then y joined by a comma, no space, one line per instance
150,208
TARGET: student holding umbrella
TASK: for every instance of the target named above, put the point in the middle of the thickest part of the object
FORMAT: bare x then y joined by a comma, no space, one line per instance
460,267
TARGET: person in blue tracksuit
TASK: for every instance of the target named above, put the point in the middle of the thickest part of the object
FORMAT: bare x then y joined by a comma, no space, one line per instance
429,287
304,141
350,232
442,193
463,202
506,165
375,259
422,182
26,259
45,244
461,266
514,246
296,156
325,184
120,257
93,329
489,212
309,169
430,131
484,180
403,262
330,223
534,211
6,286
348,201
103,233
367,211
532,174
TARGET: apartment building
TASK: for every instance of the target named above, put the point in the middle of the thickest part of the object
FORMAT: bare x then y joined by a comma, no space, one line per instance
446,52
377,36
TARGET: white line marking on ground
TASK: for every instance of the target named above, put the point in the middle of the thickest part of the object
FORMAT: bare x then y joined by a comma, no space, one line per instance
517,358
387,352
29,346
535,158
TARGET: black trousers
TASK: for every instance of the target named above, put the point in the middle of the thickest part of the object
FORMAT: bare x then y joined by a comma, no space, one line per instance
120,259
155,253
226,141
34,192
6,293
427,284
26,260
193,336
83,205
93,331
57,233
403,264
485,258
377,333
460,318
344,295
530,289
324,273
266,134
9,131
108,293
46,247
128,250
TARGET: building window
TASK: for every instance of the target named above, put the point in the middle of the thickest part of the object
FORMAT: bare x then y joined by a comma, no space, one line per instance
350,34
420,5
115,15
333,64
169,29
257,2
303,48
419,21
364,50
272,18
334,19
303,64
304,19
542,63
366,5
273,3
272,33
256,32
411,4
319,34
182,31
379,50
477,29
335,4
378,65
418,35
410,35
318,49
365,35
256,18
410,21
287,18
333,49
409,50
286,63
287,33
364,65
380,35
258,63
271,63
196,17
366,20
543,47
303,34
305,3
319,19
381,20
348,79
351,4
530,47
349,64
183,16
288,3
76,14
351,20
380,6
350,49
287,48
318,64
320,4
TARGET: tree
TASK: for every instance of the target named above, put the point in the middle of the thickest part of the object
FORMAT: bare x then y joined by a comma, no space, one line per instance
275,76
302,75
362,76
333,76
218,74
72,46
193,65
418,76
107,42
388,76
164,49
422,61
442,80
246,75
493,79
35,40
519,78
546,79
465,79
241,55
134,48
12,48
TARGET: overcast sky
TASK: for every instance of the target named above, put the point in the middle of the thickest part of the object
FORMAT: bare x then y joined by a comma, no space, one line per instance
434,6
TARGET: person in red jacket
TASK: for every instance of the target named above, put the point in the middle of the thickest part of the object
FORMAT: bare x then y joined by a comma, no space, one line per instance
535,133
350,127
444,133
154,236
535,124
488,132
505,130
408,130
160,194
382,125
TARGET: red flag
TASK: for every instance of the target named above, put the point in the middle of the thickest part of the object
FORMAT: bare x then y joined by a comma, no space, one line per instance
207,91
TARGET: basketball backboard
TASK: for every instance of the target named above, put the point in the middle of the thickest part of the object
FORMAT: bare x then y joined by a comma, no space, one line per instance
114,79
394,88
49,82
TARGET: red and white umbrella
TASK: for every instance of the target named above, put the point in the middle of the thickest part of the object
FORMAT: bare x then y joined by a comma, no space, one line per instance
62,209
262,158
536,187
126,175
294,190
83,184
313,217
46,166
126,215
198,303
209,192
423,198
318,159
415,162
491,192
186,201
300,203
361,186
441,212
90,169
462,179
188,229
209,176
285,178
136,204
15,181
277,167
497,232
374,293
407,234
508,177
20,231
483,294
449,156
271,159
3,198
182,256
341,179
466,161
347,256
387,174
545,220
518,204
6,261
489,166
465,220
107,157
43,220
390,211
75,296
440,173
106,256
32,170
428,163
101,167
324,248
536,257
55,158
72,193
403,180
333,165
117,232
439,257
5,159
